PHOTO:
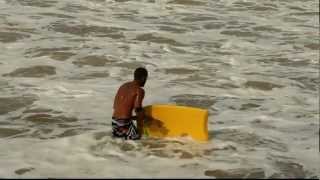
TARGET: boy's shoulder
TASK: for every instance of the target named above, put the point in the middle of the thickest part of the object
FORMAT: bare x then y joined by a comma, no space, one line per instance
130,84
125,84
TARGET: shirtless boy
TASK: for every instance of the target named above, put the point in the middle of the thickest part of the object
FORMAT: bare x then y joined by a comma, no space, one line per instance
128,98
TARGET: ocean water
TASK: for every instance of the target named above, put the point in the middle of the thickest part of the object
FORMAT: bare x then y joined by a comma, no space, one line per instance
253,64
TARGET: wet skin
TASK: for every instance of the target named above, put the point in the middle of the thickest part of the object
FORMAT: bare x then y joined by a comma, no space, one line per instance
128,98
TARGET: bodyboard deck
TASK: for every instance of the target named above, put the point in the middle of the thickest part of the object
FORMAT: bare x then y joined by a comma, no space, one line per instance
176,121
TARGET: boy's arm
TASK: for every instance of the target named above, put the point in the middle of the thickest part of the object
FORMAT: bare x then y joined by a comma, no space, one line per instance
139,110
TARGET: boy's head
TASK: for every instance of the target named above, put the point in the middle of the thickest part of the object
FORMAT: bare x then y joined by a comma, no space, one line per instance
141,75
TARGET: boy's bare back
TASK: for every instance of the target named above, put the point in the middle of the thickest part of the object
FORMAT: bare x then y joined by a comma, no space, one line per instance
129,96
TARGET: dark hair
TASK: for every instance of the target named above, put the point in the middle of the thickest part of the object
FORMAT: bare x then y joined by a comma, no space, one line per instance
140,73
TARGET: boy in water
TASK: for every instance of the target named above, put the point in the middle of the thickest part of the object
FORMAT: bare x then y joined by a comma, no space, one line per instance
128,98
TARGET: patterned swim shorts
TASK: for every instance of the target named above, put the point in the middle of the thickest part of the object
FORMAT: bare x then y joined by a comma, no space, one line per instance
124,129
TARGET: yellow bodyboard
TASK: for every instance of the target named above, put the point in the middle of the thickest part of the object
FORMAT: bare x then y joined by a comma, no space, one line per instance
176,121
